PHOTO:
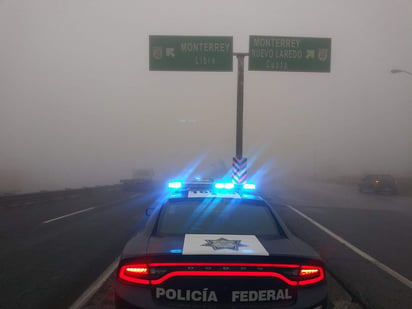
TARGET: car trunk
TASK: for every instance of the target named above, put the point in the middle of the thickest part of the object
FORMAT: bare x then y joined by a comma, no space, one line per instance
264,280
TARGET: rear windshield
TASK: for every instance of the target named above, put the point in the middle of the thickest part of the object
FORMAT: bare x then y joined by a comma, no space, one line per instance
386,178
217,216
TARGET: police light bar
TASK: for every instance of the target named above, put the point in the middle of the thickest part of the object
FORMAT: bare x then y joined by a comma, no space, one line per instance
249,186
207,184
175,185
231,186
224,185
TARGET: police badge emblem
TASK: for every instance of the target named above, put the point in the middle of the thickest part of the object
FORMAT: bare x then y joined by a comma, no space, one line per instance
209,244
223,243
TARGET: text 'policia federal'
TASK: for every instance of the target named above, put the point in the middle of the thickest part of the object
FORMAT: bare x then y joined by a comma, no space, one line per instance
207,295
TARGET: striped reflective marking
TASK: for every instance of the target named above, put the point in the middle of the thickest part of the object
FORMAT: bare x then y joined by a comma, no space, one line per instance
239,170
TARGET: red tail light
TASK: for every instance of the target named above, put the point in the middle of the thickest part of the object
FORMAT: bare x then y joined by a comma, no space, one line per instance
377,181
310,274
157,273
225,273
136,273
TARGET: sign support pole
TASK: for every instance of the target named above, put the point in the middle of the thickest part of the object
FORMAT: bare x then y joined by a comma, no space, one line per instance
239,165
239,113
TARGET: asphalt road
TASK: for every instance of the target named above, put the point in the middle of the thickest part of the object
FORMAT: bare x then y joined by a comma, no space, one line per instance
54,246
365,239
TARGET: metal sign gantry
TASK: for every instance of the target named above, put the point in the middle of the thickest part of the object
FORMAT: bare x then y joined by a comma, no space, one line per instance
215,54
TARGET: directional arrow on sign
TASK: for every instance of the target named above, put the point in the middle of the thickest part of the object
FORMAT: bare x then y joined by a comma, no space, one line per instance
310,54
170,52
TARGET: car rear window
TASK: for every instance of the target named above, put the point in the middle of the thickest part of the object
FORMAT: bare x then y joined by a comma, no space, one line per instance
217,216
387,178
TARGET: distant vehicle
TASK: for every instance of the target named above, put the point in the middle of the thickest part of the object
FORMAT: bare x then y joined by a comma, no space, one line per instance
141,179
213,245
378,184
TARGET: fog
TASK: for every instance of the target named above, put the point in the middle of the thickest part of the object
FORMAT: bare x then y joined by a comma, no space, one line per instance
79,106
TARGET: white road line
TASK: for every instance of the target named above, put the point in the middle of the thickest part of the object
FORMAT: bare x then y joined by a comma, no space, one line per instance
134,195
84,210
68,215
96,285
363,254
88,294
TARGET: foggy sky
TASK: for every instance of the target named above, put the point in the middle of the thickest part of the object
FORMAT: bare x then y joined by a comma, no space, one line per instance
79,106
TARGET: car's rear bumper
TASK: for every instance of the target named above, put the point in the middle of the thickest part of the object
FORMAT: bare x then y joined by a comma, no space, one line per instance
134,296
378,189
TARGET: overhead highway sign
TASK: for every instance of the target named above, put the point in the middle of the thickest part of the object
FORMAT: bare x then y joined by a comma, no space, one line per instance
292,54
191,53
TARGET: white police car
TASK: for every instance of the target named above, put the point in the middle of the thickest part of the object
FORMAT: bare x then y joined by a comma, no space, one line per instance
215,245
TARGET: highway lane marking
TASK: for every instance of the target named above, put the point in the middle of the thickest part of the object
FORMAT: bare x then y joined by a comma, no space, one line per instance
134,195
87,209
95,286
363,254
68,215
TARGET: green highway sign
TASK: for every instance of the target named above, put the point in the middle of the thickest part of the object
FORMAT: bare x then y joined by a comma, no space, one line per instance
191,53
292,54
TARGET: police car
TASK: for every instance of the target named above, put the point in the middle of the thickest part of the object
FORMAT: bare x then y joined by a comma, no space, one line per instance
217,245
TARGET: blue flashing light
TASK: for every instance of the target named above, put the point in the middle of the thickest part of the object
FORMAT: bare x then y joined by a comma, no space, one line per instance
250,196
175,185
222,185
229,185
176,251
249,186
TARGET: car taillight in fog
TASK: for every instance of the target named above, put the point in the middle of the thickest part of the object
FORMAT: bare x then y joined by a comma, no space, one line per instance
157,273
136,273
310,274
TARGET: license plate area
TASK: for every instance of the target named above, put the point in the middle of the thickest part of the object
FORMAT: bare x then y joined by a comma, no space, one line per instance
240,291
